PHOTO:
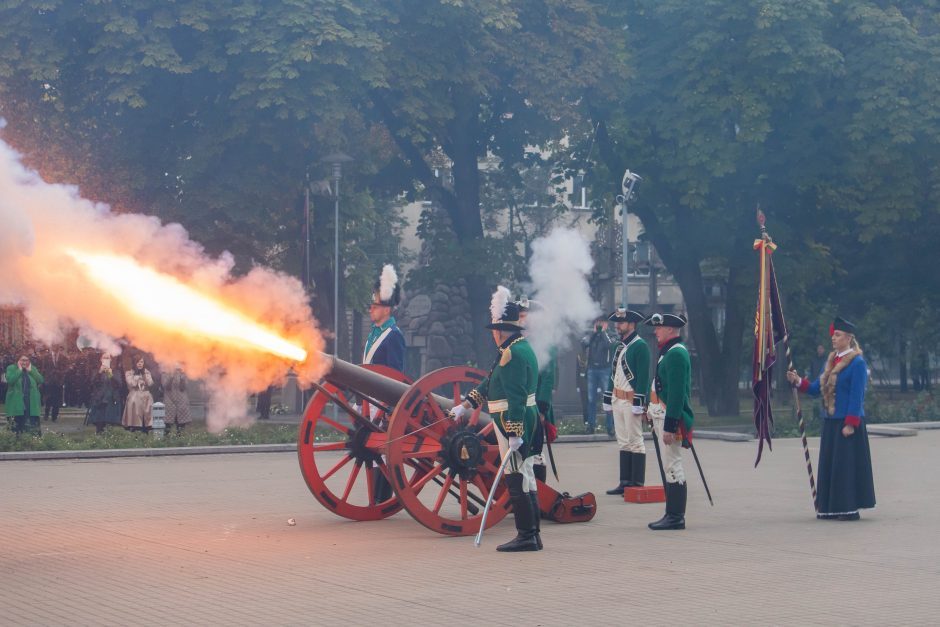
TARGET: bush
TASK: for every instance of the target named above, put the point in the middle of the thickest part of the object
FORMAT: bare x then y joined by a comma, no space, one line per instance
116,438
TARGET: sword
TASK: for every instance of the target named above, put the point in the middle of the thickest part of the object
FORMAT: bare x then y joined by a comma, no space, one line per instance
659,455
551,456
701,474
489,500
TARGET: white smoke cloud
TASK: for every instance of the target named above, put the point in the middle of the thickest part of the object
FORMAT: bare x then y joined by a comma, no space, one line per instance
41,222
559,267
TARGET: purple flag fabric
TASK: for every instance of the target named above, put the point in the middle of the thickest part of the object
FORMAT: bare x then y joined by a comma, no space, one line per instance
769,329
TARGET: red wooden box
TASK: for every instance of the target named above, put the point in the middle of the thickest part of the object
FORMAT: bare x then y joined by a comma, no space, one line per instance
646,494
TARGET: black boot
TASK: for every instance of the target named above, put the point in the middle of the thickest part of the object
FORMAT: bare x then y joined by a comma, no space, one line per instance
537,511
626,468
382,490
541,472
526,533
638,474
675,508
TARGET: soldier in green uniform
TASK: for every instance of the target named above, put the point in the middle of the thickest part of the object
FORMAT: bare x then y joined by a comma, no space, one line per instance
672,413
627,394
509,394
546,431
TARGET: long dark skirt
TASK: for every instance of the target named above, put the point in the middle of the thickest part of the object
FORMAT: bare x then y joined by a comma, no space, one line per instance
845,478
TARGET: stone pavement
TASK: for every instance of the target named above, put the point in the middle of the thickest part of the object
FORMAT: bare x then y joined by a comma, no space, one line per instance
205,540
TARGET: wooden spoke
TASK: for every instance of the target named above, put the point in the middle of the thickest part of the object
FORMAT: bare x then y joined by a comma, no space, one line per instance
352,480
445,488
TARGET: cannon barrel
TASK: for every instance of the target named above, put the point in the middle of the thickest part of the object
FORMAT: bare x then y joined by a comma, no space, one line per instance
347,375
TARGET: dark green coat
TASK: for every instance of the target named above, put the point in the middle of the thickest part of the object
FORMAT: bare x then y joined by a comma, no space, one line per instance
634,352
546,387
511,390
674,385
15,403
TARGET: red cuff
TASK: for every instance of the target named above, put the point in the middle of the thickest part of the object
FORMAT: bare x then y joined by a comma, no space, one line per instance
804,385
853,421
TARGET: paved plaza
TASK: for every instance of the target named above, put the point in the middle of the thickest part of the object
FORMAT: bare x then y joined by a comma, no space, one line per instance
205,540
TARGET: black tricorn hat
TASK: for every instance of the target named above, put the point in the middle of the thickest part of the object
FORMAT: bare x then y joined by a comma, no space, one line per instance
667,320
626,315
841,324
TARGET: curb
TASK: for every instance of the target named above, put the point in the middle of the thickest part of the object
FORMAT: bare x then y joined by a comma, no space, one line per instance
891,432
725,436
150,452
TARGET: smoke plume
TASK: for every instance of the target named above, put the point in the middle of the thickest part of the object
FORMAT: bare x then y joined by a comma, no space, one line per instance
48,228
559,267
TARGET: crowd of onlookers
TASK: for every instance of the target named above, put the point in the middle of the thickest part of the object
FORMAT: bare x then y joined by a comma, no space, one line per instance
115,390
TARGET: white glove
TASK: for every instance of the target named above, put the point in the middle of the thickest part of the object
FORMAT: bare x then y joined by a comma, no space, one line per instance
656,411
637,410
607,407
458,411
515,443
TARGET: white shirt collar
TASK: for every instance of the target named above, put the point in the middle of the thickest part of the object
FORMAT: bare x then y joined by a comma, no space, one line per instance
844,353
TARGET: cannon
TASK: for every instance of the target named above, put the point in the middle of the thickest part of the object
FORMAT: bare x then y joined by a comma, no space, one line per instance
368,423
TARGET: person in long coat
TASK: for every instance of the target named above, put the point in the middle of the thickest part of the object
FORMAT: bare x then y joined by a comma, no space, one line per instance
176,399
23,399
845,475
106,396
138,409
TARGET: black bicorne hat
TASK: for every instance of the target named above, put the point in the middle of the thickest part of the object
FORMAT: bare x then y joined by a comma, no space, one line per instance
386,290
667,320
503,312
841,324
626,315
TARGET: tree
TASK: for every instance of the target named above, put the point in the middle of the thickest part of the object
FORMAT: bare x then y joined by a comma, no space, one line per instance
737,104
210,113
481,78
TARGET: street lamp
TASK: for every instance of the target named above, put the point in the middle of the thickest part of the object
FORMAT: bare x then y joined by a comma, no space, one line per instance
626,185
336,161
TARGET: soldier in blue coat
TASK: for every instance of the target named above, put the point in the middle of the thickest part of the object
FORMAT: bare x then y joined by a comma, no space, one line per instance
845,475
386,343
385,346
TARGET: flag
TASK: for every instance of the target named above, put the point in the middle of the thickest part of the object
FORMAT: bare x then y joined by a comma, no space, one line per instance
769,329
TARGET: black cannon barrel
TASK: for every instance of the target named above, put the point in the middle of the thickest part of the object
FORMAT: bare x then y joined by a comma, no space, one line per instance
344,374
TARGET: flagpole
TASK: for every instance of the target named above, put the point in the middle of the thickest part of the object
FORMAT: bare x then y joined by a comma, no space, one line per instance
765,242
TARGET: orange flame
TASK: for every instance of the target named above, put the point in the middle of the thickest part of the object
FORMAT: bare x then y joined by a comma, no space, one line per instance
166,302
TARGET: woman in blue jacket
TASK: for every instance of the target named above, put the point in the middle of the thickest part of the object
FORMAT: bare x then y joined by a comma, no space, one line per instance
845,476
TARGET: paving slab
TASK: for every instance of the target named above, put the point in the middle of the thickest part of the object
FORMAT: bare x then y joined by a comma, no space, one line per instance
205,540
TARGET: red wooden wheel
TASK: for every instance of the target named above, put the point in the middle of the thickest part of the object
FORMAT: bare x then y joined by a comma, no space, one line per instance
337,455
442,470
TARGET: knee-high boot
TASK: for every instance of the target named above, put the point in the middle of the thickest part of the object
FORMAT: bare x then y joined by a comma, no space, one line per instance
541,472
676,494
522,511
626,469
638,473
537,512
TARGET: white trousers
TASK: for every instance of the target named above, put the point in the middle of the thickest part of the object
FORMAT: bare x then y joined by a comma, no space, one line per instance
526,467
672,455
628,426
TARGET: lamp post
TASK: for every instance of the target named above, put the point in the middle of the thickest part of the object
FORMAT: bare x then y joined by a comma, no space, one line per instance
336,161
626,185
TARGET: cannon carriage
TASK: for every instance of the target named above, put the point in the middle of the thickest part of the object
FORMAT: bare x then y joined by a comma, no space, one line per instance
366,422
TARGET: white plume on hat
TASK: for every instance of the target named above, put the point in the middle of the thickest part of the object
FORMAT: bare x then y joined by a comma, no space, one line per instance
387,282
501,298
